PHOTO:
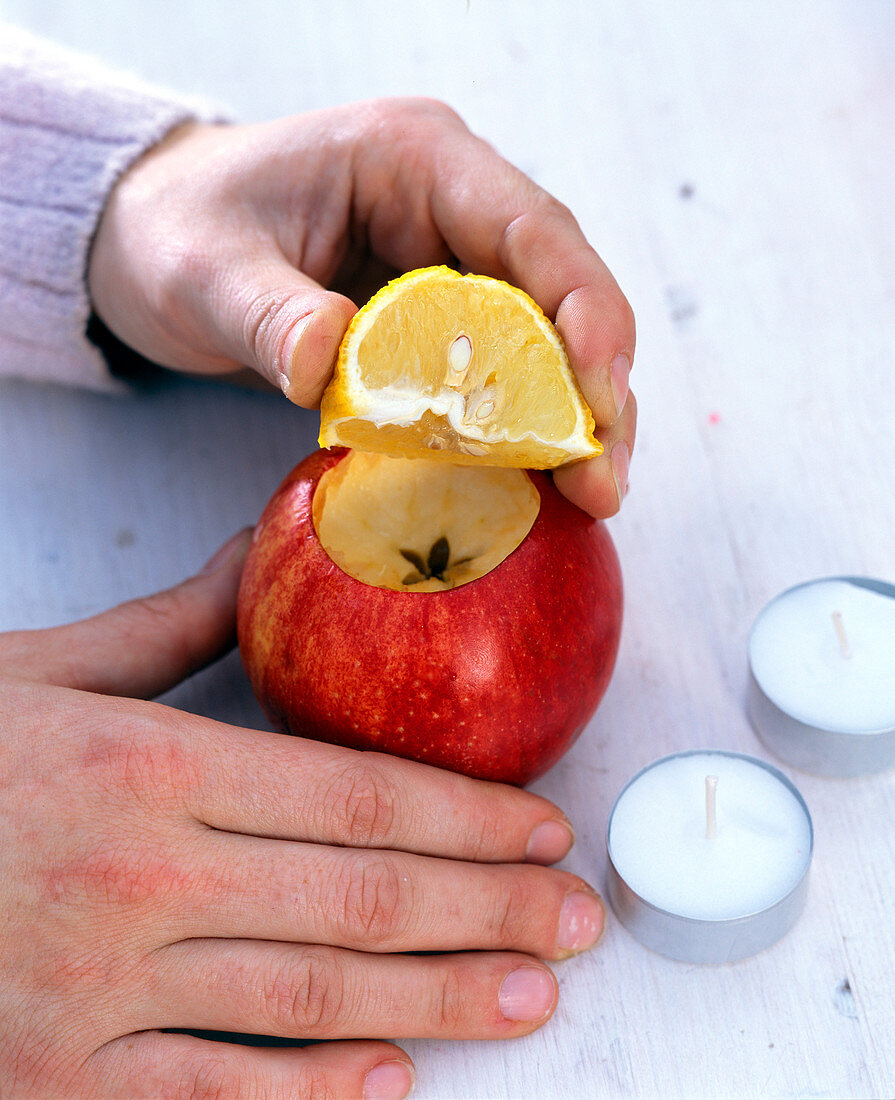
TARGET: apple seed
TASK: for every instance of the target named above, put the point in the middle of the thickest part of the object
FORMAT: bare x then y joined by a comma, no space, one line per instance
435,565
439,556
416,561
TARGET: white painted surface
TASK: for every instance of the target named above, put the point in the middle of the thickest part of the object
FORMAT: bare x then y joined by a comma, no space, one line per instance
733,164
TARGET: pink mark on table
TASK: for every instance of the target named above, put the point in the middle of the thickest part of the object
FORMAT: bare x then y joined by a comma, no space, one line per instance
714,418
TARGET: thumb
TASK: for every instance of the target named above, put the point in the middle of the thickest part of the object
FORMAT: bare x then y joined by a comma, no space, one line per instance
143,647
285,325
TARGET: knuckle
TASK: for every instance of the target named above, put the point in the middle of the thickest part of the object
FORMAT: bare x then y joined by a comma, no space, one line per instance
125,874
449,1012
306,996
407,121
375,900
404,109
361,805
512,913
208,1078
531,225
269,319
546,205
74,972
431,108
485,836
312,1083
141,760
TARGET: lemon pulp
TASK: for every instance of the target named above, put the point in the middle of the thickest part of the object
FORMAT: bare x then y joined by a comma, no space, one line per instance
458,368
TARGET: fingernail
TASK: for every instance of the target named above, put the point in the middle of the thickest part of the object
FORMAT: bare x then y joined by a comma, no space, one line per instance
388,1081
580,922
527,993
621,460
234,547
549,842
619,370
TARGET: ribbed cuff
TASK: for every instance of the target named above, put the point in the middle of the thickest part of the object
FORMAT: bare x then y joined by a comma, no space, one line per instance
69,127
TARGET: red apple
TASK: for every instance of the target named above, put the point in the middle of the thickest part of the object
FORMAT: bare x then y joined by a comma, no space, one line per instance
494,676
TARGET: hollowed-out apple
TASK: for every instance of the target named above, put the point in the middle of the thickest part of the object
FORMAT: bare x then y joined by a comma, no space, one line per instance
465,616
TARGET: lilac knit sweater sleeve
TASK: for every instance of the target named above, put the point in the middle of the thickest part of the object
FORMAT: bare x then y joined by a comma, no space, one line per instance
68,128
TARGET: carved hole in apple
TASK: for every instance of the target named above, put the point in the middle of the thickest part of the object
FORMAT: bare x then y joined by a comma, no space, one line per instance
375,514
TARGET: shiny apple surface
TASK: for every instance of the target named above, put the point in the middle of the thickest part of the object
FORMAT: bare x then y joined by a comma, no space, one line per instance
494,678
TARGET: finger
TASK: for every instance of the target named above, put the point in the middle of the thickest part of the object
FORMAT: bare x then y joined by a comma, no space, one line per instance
143,647
313,992
540,247
367,800
528,238
385,901
498,222
154,1063
282,323
599,485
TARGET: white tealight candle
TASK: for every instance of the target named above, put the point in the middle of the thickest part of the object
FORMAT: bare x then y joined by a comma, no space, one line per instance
708,855
822,689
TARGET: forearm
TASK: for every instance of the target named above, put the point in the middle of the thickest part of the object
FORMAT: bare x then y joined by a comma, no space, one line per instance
69,127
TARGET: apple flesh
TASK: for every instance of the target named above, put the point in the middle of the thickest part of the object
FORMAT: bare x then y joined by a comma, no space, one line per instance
487,650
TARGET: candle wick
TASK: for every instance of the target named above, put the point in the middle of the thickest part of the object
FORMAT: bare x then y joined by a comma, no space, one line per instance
711,822
839,627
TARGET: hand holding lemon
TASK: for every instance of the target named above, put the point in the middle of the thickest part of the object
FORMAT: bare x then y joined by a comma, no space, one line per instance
216,250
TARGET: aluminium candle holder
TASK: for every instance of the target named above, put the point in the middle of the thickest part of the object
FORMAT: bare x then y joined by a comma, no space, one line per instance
833,745
708,940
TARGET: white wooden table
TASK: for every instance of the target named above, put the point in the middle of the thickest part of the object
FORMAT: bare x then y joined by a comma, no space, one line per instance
733,162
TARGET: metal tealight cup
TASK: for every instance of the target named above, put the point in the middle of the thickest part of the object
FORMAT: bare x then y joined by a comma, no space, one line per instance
696,940
830,752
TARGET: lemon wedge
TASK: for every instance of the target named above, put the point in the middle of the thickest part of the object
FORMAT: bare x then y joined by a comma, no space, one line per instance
462,368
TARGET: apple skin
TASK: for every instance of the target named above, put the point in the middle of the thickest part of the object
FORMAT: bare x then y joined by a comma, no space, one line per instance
495,678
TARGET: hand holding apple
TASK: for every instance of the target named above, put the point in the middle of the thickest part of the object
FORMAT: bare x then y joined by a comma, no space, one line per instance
159,870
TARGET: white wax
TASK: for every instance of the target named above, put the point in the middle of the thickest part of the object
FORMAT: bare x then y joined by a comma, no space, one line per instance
658,843
798,661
